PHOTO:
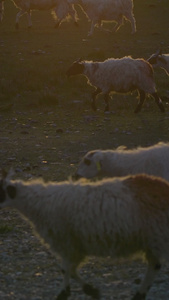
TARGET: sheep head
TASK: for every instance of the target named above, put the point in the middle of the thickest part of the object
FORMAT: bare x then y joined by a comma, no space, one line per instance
76,68
90,166
157,58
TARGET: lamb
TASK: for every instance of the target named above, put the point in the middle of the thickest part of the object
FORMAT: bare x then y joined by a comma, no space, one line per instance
114,217
60,10
119,76
160,60
107,10
151,160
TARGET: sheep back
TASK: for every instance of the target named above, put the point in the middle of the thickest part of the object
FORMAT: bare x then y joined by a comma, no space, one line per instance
121,75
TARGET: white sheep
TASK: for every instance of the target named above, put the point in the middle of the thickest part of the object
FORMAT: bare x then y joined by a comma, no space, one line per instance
160,60
151,160
107,10
1,10
119,76
60,10
116,217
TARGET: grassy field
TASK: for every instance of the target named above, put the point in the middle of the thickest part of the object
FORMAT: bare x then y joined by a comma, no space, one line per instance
46,120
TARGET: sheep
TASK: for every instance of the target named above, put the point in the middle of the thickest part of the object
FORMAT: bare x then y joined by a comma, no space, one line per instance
114,217
60,10
160,60
151,160
120,76
107,10
1,10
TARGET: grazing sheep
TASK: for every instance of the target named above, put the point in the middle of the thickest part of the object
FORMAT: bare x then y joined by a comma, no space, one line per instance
107,10
116,217
60,9
1,10
160,60
120,162
120,76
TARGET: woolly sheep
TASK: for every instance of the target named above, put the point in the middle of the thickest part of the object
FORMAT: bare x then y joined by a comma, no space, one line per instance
120,76
160,60
151,160
107,10
116,217
60,9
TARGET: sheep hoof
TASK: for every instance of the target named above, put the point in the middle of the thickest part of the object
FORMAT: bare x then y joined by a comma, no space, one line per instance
139,296
91,291
64,294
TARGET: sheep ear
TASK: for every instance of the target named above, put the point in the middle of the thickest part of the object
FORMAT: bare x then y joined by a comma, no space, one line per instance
159,52
11,190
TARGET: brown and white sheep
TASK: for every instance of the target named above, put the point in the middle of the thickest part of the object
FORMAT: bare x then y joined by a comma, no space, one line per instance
117,217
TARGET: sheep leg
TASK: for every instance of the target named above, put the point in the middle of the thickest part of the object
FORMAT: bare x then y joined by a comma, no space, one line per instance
73,14
158,101
88,289
29,19
65,291
94,95
141,101
57,24
90,33
130,17
153,268
70,270
19,14
106,99
118,24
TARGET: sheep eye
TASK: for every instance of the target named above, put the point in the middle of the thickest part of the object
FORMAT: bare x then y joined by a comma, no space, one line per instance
87,162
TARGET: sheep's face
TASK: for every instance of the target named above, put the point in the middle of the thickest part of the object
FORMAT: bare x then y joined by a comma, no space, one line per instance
7,193
157,60
90,166
75,69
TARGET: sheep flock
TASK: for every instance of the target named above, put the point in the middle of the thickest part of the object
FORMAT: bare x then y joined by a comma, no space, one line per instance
117,203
